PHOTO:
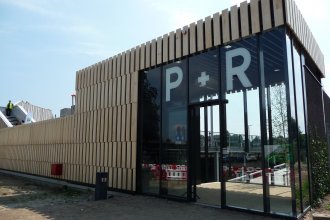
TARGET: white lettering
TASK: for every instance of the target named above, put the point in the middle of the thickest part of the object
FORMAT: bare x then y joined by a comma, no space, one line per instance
239,71
203,79
172,85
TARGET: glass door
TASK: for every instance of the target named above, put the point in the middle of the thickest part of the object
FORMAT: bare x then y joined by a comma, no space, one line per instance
205,158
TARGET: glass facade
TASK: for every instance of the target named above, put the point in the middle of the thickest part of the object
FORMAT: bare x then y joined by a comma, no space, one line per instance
227,126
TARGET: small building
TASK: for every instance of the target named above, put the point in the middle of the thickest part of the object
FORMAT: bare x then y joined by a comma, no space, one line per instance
218,112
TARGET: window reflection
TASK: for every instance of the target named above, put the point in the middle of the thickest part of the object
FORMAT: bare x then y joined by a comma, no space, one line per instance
174,131
242,157
301,134
204,77
278,150
150,170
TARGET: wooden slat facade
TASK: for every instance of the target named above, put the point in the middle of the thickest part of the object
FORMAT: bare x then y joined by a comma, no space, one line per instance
102,134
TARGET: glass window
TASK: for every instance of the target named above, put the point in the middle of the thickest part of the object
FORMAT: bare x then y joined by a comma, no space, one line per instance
301,132
174,132
277,149
204,77
151,96
242,156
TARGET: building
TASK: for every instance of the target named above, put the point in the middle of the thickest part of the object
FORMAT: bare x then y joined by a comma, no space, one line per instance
23,113
218,112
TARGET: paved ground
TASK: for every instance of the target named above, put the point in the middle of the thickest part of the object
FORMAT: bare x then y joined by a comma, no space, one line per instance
21,198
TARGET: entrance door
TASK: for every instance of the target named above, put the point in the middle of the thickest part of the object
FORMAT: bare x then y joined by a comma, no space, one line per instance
205,154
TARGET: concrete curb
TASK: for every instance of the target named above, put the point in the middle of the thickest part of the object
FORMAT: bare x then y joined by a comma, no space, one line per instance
319,216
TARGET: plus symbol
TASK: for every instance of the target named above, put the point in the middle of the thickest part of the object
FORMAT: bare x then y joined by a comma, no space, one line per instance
203,79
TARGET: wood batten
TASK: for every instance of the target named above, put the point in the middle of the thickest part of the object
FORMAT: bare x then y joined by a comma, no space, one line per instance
159,51
208,32
200,35
178,43
278,12
234,25
185,41
192,38
216,29
244,19
171,49
266,15
225,26
255,18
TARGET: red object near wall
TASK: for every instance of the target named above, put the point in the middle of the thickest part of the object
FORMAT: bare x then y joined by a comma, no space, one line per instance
57,169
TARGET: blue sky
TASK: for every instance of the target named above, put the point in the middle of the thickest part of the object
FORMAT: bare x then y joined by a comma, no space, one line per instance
44,42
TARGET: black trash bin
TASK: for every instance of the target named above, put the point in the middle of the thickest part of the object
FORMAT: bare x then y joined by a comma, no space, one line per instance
101,186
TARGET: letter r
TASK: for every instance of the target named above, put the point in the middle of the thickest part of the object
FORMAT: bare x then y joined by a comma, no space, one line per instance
239,71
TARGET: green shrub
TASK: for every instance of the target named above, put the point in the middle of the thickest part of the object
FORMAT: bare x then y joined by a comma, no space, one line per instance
320,170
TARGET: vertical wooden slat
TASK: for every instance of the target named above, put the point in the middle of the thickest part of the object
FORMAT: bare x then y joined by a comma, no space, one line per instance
266,15
122,64
118,98
148,54
110,129
103,64
106,69
294,16
134,122
192,38
200,35
119,113
123,90
127,62
118,63
124,179
153,53
128,89
106,94
114,92
102,117
165,48
134,87
171,46
129,155
106,124
106,154
114,123
123,154
98,103
299,34
234,22
114,154
216,29
119,146
244,15
225,26
142,56
278,12
255,20
133,162
128,122
137,58
132,60
123,123
208,32
178,43
185,41
159,50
